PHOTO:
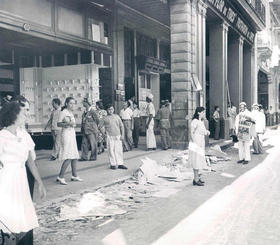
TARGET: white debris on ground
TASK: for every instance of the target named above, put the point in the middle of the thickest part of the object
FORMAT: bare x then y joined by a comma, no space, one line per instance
92,209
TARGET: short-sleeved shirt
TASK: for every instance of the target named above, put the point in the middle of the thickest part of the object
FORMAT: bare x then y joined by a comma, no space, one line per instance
126,114
151,109
136,113
113,125
55,118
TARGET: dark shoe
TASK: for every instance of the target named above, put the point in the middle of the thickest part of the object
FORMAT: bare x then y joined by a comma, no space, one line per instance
83,160
240,161
52,158
122,167
256,153
198,183
201,181
149,149
93,159
154,149
113,167
245,162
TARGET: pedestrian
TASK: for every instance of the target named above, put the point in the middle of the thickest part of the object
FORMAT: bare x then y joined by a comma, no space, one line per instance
17,212
243,125
150,135
216,118
90,132
101,113
68,153
231,112
259,128
55,130
137,123
127,119
164,117
197,144
115,135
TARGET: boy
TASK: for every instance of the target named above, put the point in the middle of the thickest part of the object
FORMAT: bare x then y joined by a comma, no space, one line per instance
115,135
55,130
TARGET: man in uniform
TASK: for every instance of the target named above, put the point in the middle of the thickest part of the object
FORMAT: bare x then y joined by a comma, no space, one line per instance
90,132
164,117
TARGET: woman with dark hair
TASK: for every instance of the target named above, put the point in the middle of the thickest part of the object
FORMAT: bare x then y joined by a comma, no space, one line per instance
197,144
68,151
17,213
101,113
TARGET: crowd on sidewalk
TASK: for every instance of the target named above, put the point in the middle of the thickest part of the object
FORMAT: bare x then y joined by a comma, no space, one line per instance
100,129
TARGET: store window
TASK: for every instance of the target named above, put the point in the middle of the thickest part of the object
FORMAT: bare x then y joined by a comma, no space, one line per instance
98,31
145,80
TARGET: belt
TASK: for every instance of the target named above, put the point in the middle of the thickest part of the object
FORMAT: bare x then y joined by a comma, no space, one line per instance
126,119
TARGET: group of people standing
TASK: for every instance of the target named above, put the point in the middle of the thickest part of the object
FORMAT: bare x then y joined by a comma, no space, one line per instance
244,127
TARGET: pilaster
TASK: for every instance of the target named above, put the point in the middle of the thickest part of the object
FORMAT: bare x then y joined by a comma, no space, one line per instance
235,70
182,65
218,61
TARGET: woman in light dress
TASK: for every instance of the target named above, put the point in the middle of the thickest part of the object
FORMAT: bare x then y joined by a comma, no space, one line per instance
197,144
17,213
69,151
150,134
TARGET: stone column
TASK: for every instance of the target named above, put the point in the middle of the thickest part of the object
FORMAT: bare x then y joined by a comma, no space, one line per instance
201,50
218,35
235,69
181,69
118,54
218,66
250,92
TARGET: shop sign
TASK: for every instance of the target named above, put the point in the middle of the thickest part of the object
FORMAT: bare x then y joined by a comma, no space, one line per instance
233,18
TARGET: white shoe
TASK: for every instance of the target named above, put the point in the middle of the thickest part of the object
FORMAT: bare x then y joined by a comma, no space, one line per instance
73,178
61,180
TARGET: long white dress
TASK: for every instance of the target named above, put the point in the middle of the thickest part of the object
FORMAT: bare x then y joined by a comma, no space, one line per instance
150,135
16,207
68,149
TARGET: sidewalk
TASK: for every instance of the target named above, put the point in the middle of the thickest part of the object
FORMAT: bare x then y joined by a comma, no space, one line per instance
96,174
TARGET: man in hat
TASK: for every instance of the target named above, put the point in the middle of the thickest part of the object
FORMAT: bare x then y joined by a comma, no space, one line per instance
89,130
164,117
243,124
150,135
259,129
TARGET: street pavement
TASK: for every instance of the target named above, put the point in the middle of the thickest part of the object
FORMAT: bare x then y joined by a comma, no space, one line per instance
157,221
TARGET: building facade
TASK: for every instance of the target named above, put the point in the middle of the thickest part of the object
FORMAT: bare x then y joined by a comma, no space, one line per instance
212,45
268,63
192,52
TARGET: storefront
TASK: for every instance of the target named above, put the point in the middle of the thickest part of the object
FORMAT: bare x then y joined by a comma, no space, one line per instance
64,48
142,52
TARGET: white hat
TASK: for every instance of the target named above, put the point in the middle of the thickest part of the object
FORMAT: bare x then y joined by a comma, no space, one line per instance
242,103
255,104
150,96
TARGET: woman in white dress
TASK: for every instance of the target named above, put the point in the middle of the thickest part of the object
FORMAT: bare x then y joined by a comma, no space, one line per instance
197,144
69,151
17,213
150,134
